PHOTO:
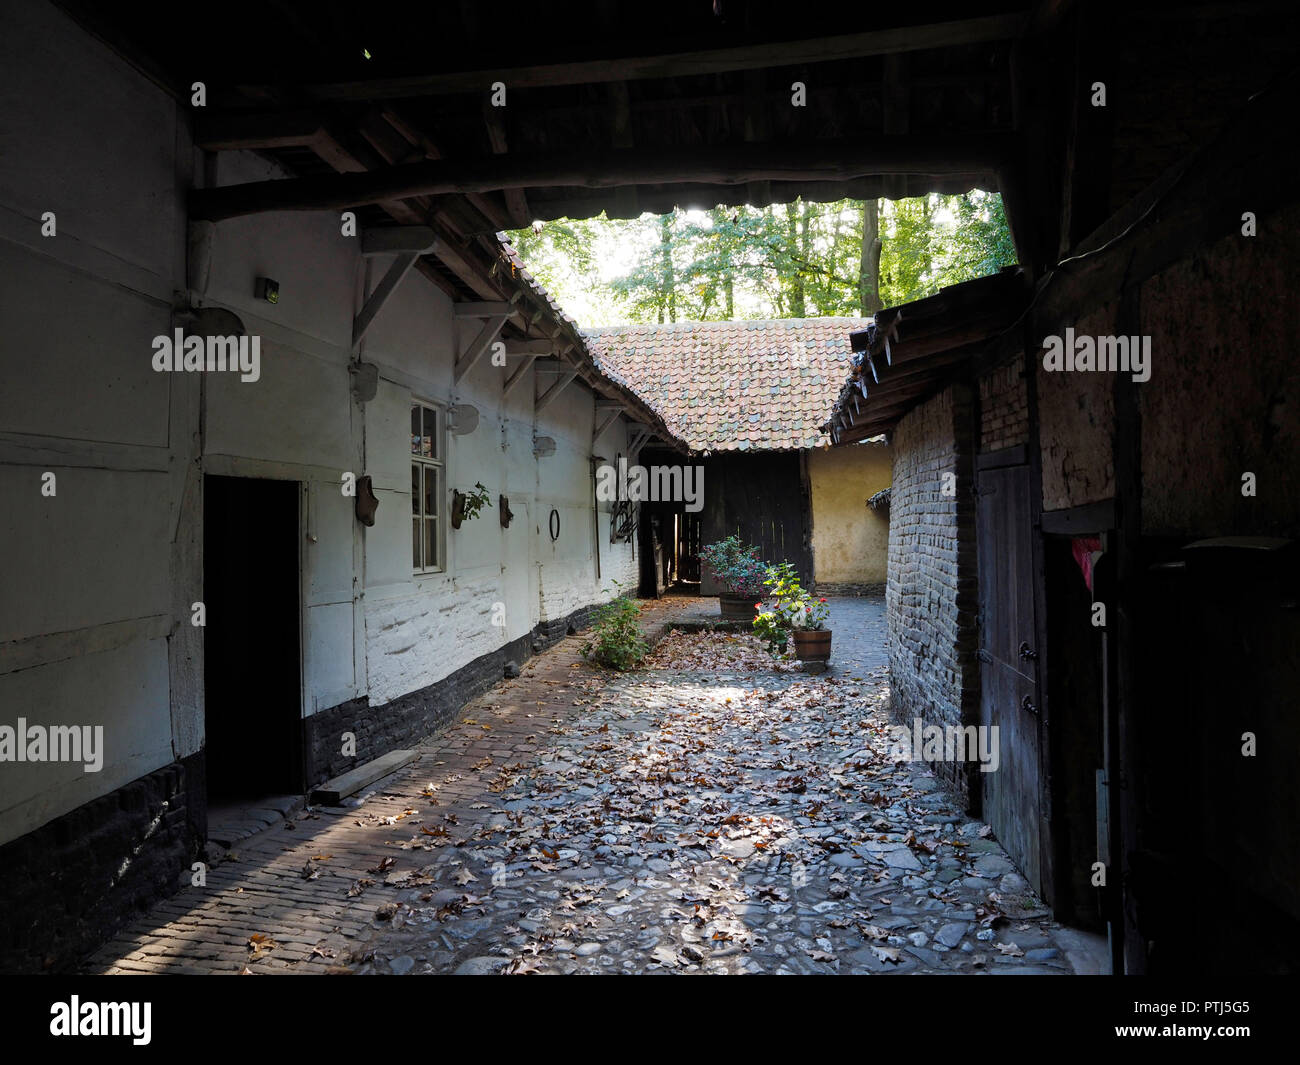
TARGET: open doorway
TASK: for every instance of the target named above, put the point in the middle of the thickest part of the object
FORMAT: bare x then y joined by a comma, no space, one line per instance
251,656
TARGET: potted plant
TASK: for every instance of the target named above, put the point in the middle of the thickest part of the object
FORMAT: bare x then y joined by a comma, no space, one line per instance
812,639
794,612
736,566
465,506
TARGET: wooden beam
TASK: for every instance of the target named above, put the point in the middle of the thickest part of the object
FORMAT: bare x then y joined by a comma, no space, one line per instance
492,326
551,394
485,309
521,349
391,240
516,203
683,64
610,419
520,371
365,318
228,131
896,107
839,160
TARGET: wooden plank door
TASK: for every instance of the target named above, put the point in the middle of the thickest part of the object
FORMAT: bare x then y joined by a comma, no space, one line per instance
1013,799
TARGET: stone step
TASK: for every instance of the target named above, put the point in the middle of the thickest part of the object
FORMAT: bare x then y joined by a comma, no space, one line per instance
333,792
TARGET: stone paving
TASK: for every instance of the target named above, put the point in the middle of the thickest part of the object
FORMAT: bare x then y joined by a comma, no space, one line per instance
713,812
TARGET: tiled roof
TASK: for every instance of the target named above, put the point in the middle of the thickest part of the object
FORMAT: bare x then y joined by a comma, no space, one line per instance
733,386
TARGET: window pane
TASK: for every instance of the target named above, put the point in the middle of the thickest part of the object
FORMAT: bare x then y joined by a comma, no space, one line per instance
415,543
430,542
415,488
415,430
430,492
431,432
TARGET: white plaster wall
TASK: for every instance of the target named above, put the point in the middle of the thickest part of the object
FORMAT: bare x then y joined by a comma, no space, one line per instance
94,624
87,610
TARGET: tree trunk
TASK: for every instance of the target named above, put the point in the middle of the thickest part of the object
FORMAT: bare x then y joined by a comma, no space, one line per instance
667,280
869,272
795,274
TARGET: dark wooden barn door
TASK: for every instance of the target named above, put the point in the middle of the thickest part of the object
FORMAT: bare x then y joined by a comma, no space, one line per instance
1008,665
763,498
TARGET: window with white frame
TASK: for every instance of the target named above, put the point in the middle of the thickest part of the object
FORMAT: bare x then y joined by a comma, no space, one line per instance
427,471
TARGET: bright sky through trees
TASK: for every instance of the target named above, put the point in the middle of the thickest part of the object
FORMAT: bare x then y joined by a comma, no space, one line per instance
784,261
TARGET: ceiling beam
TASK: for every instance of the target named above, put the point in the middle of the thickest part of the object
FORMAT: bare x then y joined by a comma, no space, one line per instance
484,309
391,240
778,54
736,164
516,203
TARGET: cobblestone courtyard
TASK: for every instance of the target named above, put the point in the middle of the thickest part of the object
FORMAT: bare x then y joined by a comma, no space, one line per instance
710,813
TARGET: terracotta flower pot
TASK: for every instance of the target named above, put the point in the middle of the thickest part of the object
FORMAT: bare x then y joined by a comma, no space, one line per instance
812,645
738,607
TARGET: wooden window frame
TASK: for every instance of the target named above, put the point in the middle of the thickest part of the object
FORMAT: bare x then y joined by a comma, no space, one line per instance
435,467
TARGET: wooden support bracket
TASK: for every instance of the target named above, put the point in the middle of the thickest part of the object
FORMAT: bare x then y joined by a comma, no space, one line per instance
551,394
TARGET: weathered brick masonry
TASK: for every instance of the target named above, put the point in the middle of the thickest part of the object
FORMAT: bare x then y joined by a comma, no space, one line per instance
71,883
1004,407
932,592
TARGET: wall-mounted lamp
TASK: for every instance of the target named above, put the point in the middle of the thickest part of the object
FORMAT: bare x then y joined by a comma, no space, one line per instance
267,289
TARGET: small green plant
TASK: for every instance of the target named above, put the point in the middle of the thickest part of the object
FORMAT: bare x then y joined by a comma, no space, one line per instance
475,501
736,566
617,641
792,608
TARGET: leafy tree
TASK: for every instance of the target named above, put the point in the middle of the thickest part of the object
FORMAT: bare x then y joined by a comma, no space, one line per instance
794,260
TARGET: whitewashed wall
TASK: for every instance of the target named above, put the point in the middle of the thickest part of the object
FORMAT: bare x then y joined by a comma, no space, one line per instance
86,609
94,623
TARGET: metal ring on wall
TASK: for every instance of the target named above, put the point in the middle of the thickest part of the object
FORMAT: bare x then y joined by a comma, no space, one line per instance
555,525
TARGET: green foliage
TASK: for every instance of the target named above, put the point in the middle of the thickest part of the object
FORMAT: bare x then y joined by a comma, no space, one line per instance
475,501
792,608
617,641
735,565
791,260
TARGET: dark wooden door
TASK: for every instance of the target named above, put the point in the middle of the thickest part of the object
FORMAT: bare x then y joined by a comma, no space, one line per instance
763,498
1013,800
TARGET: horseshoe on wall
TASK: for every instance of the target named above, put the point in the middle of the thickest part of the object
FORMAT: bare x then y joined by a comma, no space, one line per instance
555,525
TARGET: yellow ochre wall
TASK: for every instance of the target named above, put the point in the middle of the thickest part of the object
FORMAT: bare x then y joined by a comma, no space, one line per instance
850,541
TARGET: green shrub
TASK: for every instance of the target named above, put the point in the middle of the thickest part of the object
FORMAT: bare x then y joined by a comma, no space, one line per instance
735,565
792,608
617,641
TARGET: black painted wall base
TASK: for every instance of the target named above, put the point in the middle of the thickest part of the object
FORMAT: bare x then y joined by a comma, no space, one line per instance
406,720
70,884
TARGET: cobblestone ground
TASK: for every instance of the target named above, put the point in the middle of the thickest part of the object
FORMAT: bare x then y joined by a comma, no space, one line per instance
710,813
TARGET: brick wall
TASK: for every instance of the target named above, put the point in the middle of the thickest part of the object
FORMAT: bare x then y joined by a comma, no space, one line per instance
67,886
1004,407
932,593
